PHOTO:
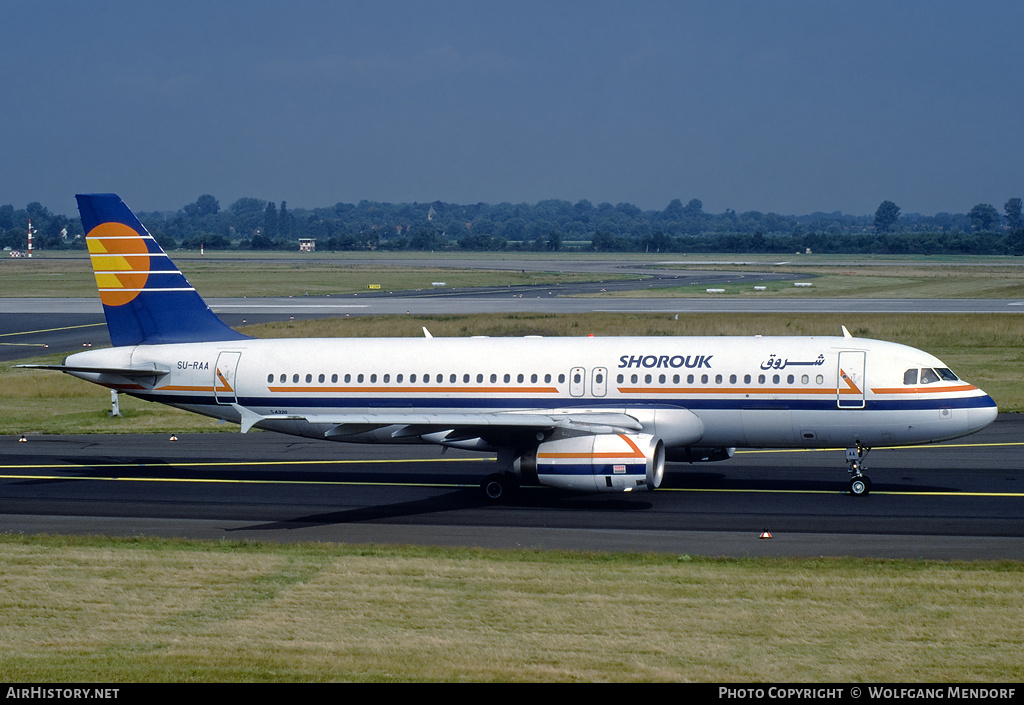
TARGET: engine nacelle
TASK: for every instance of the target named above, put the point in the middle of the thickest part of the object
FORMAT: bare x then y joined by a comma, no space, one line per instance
612,462
697,454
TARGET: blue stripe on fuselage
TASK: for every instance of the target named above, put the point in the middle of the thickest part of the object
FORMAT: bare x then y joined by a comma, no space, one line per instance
360,404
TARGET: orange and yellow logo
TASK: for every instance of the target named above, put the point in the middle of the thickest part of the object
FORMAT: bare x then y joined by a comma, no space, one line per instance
120,261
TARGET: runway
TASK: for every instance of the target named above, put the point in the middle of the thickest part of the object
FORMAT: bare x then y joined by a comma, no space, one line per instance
962,500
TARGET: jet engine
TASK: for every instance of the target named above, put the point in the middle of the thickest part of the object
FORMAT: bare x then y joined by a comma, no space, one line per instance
612,462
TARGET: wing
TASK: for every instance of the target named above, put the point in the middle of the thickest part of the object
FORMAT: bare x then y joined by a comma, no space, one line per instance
450,428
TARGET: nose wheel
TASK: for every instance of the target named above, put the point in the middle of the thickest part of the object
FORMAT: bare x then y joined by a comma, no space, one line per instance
860,484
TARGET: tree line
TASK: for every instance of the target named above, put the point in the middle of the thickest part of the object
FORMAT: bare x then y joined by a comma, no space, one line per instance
549,225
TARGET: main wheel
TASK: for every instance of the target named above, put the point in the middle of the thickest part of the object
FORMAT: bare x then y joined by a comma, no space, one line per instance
860,486
495,488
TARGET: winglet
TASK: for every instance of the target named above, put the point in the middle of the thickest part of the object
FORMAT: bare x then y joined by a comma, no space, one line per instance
145,298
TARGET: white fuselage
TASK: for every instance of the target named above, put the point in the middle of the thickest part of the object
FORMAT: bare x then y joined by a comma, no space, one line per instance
784,392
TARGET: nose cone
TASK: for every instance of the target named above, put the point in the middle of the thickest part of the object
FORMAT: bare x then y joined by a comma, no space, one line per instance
982,415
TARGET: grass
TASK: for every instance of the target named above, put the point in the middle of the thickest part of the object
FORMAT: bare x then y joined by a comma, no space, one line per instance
280,276
986,349
859,282
294,274
131,610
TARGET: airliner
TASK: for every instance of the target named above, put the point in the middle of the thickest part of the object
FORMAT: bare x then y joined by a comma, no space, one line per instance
593,414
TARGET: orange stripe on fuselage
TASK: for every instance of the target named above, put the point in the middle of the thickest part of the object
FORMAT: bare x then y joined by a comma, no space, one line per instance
924,390
730,390
416,390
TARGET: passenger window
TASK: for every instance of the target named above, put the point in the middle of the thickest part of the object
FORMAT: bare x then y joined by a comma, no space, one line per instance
295,379
334,377
284,378
386,379
910,376
547,379
732,379
561,378
760,379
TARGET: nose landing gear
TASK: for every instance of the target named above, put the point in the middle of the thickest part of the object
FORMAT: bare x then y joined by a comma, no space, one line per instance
860,484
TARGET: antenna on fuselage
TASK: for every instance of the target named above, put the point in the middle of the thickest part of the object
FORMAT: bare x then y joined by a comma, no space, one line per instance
846,333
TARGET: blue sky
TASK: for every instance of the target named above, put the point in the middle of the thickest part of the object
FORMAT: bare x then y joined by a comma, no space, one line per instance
780,106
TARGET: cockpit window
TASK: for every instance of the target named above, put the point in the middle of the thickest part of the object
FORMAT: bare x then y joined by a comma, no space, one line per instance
928,376
946,374
910,376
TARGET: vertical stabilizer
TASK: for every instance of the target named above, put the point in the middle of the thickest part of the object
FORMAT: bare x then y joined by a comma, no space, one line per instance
145,298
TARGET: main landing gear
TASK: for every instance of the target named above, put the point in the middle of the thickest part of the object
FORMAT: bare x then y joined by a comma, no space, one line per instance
860,484
499,487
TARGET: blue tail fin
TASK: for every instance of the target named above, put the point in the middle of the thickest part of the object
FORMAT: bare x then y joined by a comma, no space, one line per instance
145,298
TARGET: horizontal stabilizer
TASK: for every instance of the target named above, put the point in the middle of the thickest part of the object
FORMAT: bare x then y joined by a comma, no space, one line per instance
148,369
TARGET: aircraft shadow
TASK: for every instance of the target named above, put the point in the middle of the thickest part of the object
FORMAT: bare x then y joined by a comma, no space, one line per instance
459,500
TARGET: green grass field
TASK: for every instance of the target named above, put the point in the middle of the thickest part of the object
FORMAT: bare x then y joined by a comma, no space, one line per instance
295,274
281,276
112,610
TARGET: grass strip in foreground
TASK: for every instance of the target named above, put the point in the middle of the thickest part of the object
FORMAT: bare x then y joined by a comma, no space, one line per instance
144,610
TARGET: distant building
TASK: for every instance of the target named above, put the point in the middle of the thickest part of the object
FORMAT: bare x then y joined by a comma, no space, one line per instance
307,244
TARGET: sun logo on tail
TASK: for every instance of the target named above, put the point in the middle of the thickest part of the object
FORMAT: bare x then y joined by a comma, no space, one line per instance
120,260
